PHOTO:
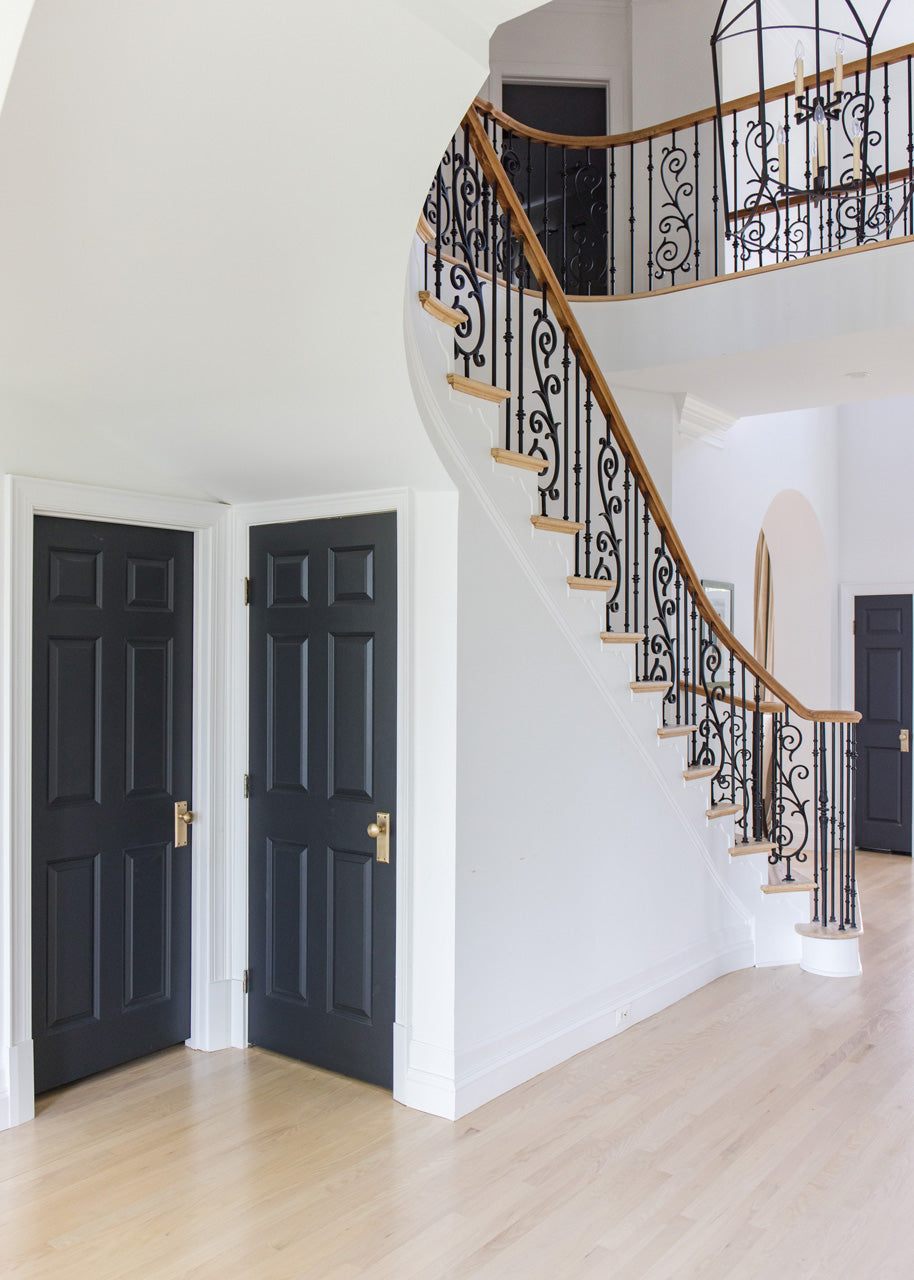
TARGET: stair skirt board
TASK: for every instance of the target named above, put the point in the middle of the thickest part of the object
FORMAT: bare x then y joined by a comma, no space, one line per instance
447,315
481,390
524,461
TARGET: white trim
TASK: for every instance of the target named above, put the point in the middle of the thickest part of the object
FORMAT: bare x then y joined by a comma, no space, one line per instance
490,1069
576,76
847,593
247,516
26,498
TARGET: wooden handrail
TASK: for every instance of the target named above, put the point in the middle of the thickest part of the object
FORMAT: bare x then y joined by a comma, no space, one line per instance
605,141
510,202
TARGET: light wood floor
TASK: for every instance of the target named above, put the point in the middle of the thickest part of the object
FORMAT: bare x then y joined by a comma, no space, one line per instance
763,1127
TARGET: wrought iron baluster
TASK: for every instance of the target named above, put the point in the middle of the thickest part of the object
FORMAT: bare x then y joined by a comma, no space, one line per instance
744,739
696,672
818,899
566,425
522,273
851,887
631,215
841,768
909,213
697,210
831,846
508,260
650,214
612,220
588,472
677,666
627,484
646,519
733,730
636,577
576,471
731,231
715,204
494,273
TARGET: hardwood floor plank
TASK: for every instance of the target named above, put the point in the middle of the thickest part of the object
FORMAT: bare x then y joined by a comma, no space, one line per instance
761,1129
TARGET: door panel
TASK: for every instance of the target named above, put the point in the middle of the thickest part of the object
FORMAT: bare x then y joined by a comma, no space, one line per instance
322,764
112,692
883,678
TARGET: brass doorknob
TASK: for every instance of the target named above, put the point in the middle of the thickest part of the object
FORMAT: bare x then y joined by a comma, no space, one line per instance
187,817
373,830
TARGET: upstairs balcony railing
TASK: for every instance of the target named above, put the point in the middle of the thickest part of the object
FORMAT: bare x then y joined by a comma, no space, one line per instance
638,212
784,772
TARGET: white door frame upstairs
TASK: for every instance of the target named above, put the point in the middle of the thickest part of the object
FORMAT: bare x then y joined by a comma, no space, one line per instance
211,957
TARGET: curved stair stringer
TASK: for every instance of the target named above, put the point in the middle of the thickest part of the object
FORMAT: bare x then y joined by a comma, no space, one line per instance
464,430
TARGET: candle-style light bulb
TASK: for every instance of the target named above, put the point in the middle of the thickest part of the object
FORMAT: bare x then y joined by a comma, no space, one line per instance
839,65
798,69
857,140
819,116
782,156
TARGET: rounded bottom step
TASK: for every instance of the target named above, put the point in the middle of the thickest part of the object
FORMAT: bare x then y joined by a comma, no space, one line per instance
828,953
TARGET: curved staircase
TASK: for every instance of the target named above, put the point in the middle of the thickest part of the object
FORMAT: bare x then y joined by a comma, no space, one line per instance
515,399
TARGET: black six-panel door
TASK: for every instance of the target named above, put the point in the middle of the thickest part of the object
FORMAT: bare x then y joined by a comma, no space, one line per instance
322,765
112,688
883,680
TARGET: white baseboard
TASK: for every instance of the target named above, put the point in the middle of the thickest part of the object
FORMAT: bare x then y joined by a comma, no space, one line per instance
423,1076
496,1066
21,1097
4,1110
214,1021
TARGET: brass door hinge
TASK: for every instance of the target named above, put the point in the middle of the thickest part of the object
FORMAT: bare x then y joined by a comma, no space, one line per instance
247,591
246,981
854,627
247,786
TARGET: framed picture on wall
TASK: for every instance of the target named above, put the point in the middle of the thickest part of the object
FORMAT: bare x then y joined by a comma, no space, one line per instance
721,596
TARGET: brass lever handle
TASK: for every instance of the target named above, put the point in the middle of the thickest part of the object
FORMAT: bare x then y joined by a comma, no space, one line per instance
183,819
380,831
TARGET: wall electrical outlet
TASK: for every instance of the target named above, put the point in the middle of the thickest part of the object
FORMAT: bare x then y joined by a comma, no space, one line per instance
624,1015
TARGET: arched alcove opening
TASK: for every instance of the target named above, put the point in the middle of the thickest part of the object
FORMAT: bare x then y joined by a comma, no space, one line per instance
802,598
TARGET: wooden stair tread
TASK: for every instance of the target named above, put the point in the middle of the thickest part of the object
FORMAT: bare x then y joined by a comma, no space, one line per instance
555,524
830,932
650,686
621,637
590,584
799,884
723,810
699,771
676,730
435,307
509,458
481,390
751,846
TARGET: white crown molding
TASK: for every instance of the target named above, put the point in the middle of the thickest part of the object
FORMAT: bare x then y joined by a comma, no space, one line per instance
701,420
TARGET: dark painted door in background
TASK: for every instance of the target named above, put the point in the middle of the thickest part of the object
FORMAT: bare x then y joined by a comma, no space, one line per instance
323,633
112,688
883,678
578,200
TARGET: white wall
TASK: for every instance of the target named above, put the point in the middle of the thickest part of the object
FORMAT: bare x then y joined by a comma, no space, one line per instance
586,40
722,497
671,58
